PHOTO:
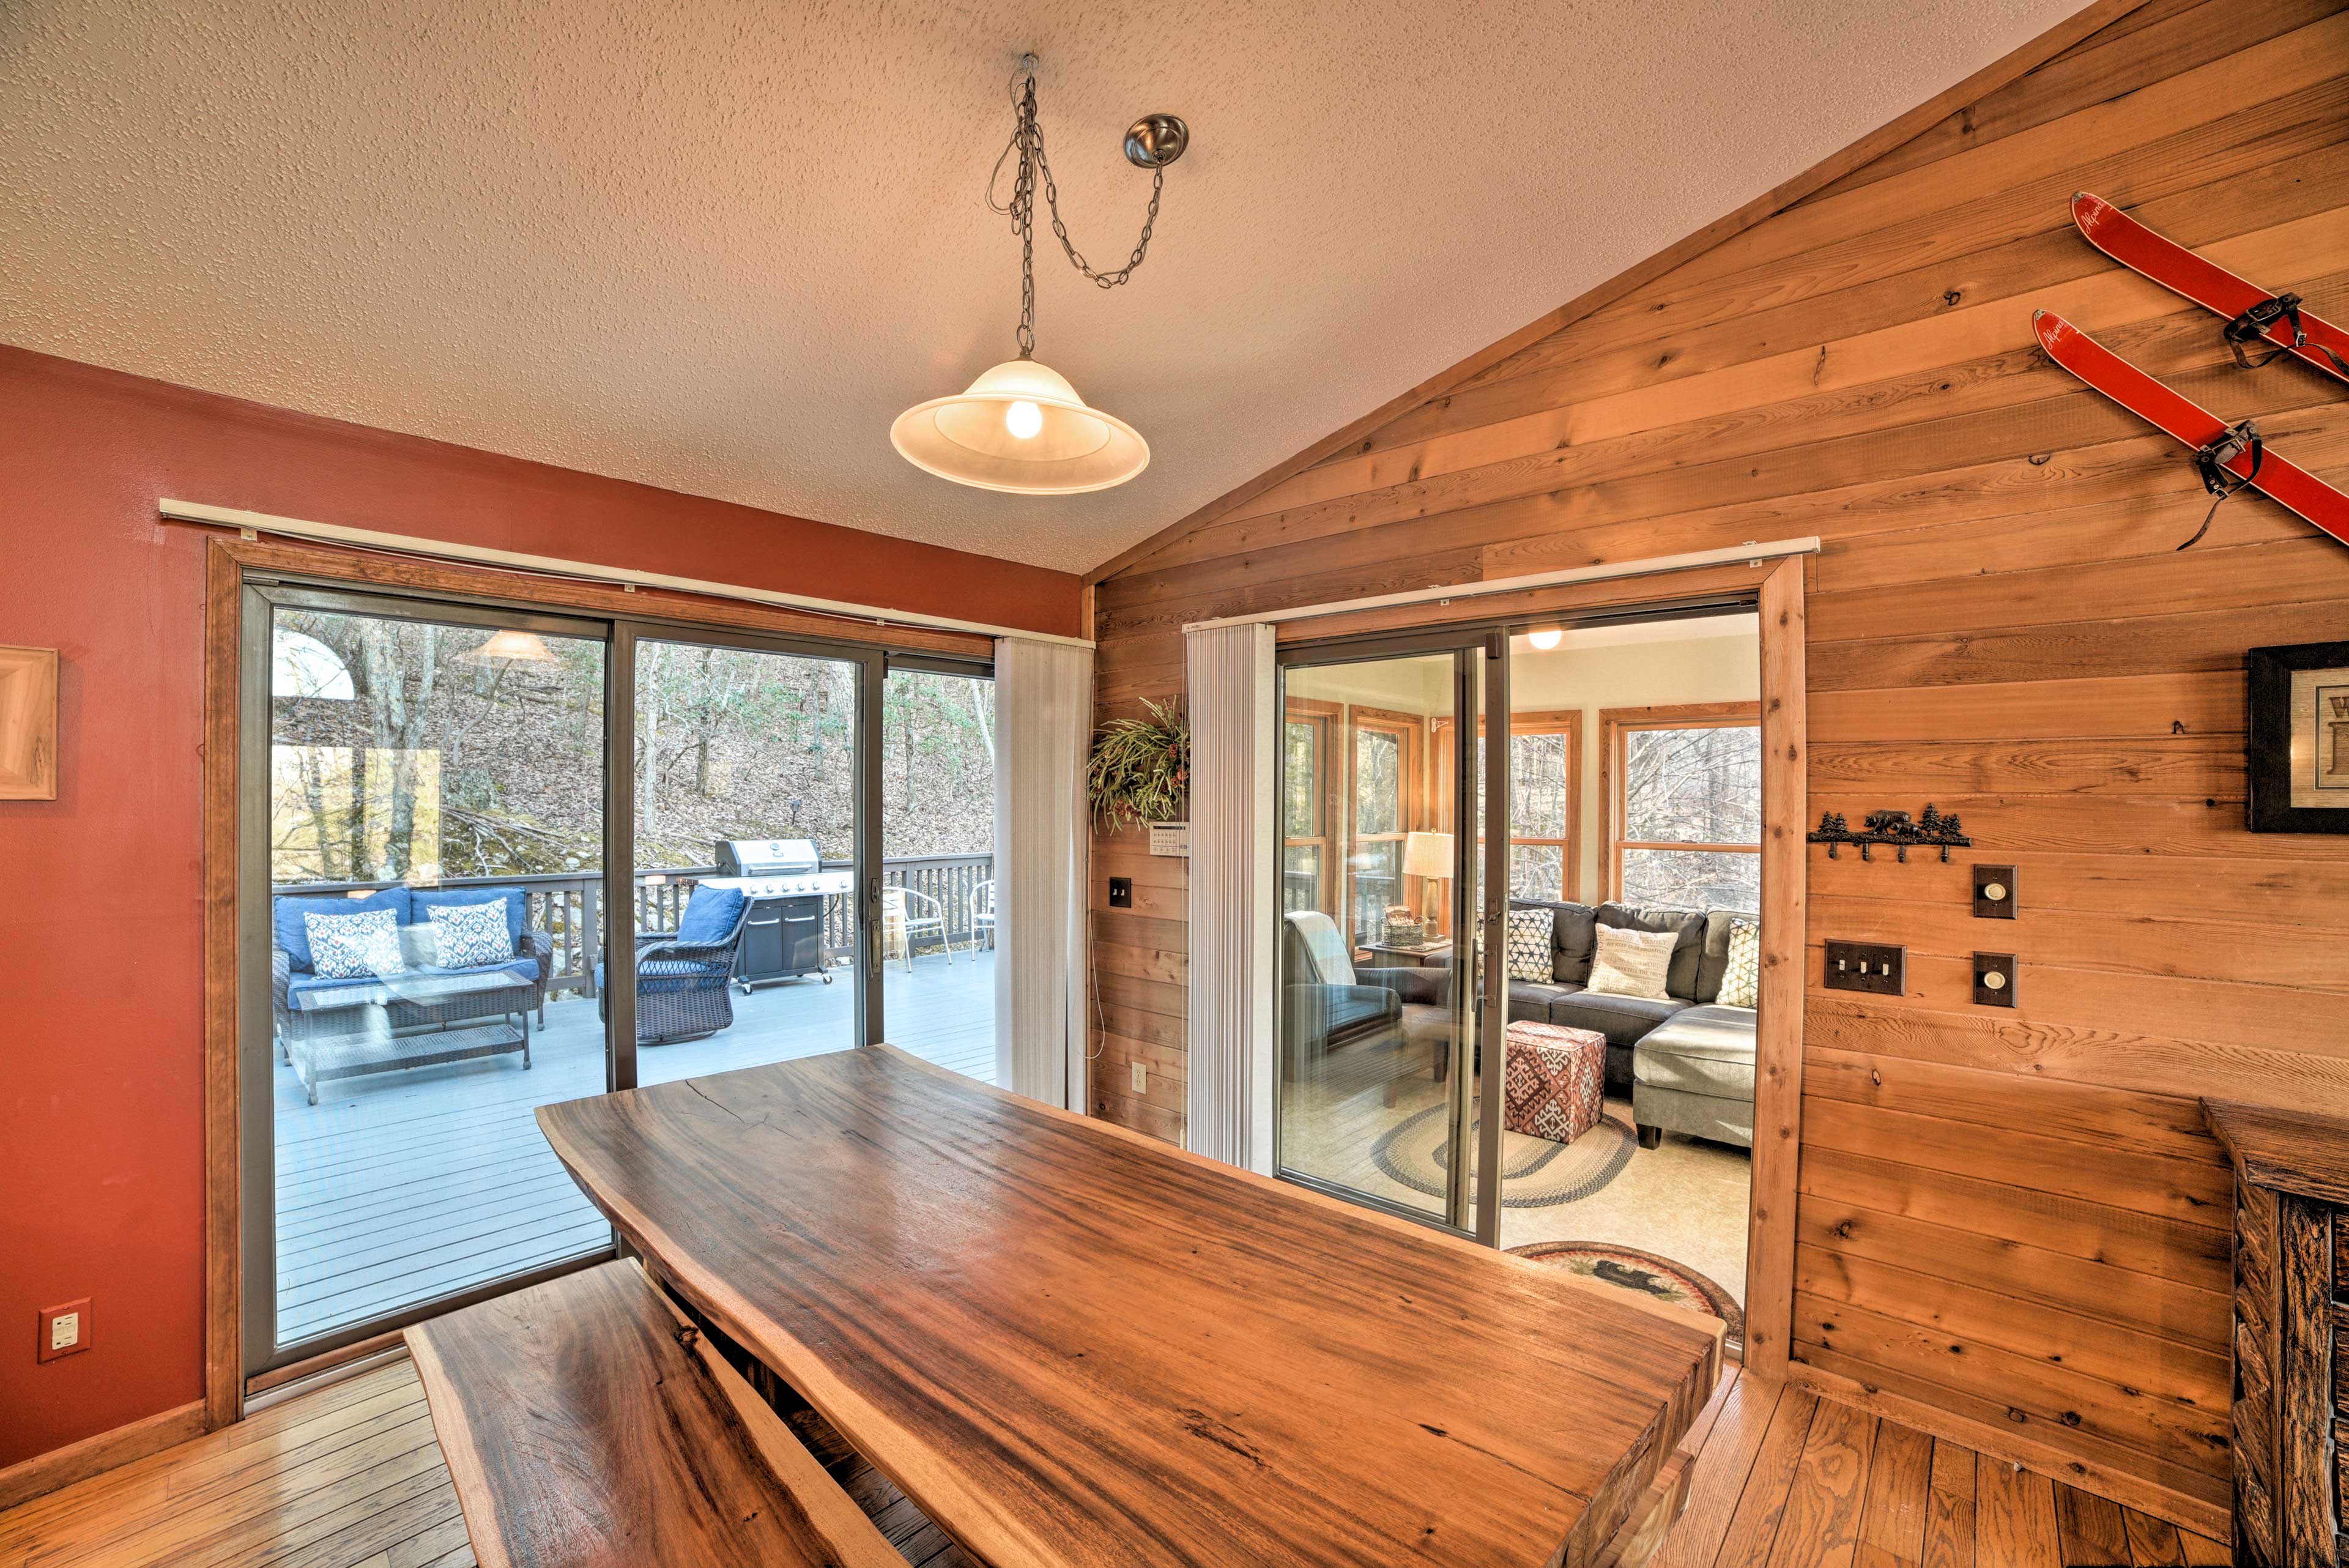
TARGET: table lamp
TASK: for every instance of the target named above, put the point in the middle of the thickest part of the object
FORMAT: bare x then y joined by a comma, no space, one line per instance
1428,856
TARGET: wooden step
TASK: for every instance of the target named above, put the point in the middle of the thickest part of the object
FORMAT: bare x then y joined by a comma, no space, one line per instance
586,1423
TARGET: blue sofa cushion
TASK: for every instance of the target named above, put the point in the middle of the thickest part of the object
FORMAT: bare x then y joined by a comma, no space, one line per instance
285,917
516,900
413,985
710,916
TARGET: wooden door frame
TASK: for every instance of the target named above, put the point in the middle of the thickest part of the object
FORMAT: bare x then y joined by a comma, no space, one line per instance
1613,722
1775,588
227,562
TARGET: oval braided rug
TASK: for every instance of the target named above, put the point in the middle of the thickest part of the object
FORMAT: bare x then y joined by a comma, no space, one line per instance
1658,1278
1535,1172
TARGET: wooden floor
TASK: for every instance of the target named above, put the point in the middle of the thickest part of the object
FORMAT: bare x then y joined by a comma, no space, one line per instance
401,1187
349,1477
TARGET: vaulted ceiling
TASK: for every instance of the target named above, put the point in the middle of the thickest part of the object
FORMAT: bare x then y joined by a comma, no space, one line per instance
717,247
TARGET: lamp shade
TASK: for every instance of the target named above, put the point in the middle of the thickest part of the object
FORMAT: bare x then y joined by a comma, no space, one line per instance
513,647
1020,428
1427,855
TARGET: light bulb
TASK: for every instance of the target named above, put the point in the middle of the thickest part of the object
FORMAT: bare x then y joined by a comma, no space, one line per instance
1546,638
1023,419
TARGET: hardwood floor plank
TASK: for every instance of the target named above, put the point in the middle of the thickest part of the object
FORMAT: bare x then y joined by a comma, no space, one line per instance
2201,1552
1892,1527
1753,1529
1721,1471
1821,1527
2089,1530
2014,1517
2152,1543
1948,1541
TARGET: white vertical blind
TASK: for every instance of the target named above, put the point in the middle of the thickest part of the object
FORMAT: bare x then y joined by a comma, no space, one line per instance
1235,737
1043,713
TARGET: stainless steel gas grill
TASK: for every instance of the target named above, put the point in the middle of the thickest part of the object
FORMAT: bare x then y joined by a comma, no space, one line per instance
786,884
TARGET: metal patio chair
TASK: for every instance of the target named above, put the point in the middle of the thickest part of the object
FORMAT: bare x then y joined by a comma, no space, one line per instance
982,913
909,912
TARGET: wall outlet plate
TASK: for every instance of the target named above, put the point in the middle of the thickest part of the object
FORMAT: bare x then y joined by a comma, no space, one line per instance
1994,892
63,1331
1993,980
1141,1078
1873,967
1121,892
1170,838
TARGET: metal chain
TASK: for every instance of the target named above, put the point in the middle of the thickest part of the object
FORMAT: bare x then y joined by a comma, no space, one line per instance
1028,142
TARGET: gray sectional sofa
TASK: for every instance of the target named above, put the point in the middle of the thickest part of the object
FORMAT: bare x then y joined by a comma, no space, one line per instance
1686,1061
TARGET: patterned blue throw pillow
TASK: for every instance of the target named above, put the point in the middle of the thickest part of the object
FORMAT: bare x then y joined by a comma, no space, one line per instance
471,936
355,947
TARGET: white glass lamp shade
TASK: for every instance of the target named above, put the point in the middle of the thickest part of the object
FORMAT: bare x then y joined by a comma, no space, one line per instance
513,647
1020,428
1548,637
1427,855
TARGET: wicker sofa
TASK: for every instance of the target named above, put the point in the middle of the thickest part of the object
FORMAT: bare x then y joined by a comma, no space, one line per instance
329,1028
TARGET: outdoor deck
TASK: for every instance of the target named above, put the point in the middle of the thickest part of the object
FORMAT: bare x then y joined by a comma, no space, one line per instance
404,1187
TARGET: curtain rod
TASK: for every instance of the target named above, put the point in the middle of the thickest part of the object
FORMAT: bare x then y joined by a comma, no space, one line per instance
1776,549
198,512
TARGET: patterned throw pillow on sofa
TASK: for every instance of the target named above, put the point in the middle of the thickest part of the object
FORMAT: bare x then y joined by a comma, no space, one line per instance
1529,944
354,947
471,936
1740,982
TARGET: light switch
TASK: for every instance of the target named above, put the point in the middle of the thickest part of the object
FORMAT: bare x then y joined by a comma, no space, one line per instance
1993,980
1994,892
1865,966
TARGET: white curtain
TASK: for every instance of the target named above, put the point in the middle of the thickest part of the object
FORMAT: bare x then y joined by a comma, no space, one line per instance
1044,715
1235,736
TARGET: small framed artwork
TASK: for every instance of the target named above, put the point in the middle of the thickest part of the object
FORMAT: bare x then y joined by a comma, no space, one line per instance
28,723
2298,756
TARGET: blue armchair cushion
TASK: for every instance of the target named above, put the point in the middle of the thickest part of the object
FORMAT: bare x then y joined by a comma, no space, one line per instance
711,915
285,917
516,900
470,935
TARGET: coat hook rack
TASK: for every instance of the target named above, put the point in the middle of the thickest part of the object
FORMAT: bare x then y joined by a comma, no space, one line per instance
1930,831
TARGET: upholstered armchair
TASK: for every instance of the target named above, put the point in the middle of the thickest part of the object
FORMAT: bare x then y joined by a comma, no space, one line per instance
1327,1003
685,978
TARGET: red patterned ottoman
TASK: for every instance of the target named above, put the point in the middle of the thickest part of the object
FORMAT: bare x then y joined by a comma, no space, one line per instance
1555,1085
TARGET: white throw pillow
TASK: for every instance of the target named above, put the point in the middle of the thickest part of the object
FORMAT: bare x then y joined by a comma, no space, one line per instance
1632,964
354,947
1529,945
1740,982
472,936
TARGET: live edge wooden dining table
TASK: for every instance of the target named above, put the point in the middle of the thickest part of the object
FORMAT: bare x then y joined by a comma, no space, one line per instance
1072,1345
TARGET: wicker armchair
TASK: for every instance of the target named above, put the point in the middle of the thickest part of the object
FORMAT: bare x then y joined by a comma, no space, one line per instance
685,991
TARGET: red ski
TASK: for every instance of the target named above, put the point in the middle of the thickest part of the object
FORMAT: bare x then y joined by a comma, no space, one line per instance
2230,456
2251,312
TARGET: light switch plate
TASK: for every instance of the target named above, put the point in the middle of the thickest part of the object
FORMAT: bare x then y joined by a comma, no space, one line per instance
1993,980
1994,892
1121,892
1875,967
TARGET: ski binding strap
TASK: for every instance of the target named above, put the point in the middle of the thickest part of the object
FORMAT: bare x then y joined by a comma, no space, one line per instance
2253,325
2211,462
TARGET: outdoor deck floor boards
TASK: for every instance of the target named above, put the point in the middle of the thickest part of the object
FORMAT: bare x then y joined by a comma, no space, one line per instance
399,1188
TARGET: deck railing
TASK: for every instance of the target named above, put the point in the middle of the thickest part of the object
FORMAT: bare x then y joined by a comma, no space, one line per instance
568,906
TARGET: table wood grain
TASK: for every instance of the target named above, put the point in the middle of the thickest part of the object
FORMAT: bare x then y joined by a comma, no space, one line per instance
1071,1344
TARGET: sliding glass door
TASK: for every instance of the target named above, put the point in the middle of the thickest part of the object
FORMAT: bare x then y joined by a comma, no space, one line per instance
750,800
421,925
490,860
1382,972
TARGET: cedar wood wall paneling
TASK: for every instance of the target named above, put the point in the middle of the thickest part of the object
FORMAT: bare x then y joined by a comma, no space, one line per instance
2012,1218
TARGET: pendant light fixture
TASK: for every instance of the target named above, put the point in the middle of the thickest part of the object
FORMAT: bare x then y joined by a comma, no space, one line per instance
1021,427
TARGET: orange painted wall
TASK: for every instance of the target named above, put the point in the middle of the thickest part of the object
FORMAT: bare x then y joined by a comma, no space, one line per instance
101,1086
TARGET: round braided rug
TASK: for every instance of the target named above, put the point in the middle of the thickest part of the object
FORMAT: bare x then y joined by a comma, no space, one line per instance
1535,1172
1644,1274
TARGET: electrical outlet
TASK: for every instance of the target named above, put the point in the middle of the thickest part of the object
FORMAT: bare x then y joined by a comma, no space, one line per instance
64,1329
1121,892
1141,1078
1867,966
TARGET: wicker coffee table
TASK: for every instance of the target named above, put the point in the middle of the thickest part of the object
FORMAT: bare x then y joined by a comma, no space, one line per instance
347,1031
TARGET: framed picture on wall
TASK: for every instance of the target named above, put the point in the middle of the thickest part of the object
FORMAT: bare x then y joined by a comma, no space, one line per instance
28,723
2298,757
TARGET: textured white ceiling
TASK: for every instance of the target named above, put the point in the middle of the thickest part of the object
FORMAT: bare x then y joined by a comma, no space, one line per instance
719,246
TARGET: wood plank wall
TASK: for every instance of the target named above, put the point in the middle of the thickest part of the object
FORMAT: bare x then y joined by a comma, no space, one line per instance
2013,1223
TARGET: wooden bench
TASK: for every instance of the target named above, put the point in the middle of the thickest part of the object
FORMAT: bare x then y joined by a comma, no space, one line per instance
586,1423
